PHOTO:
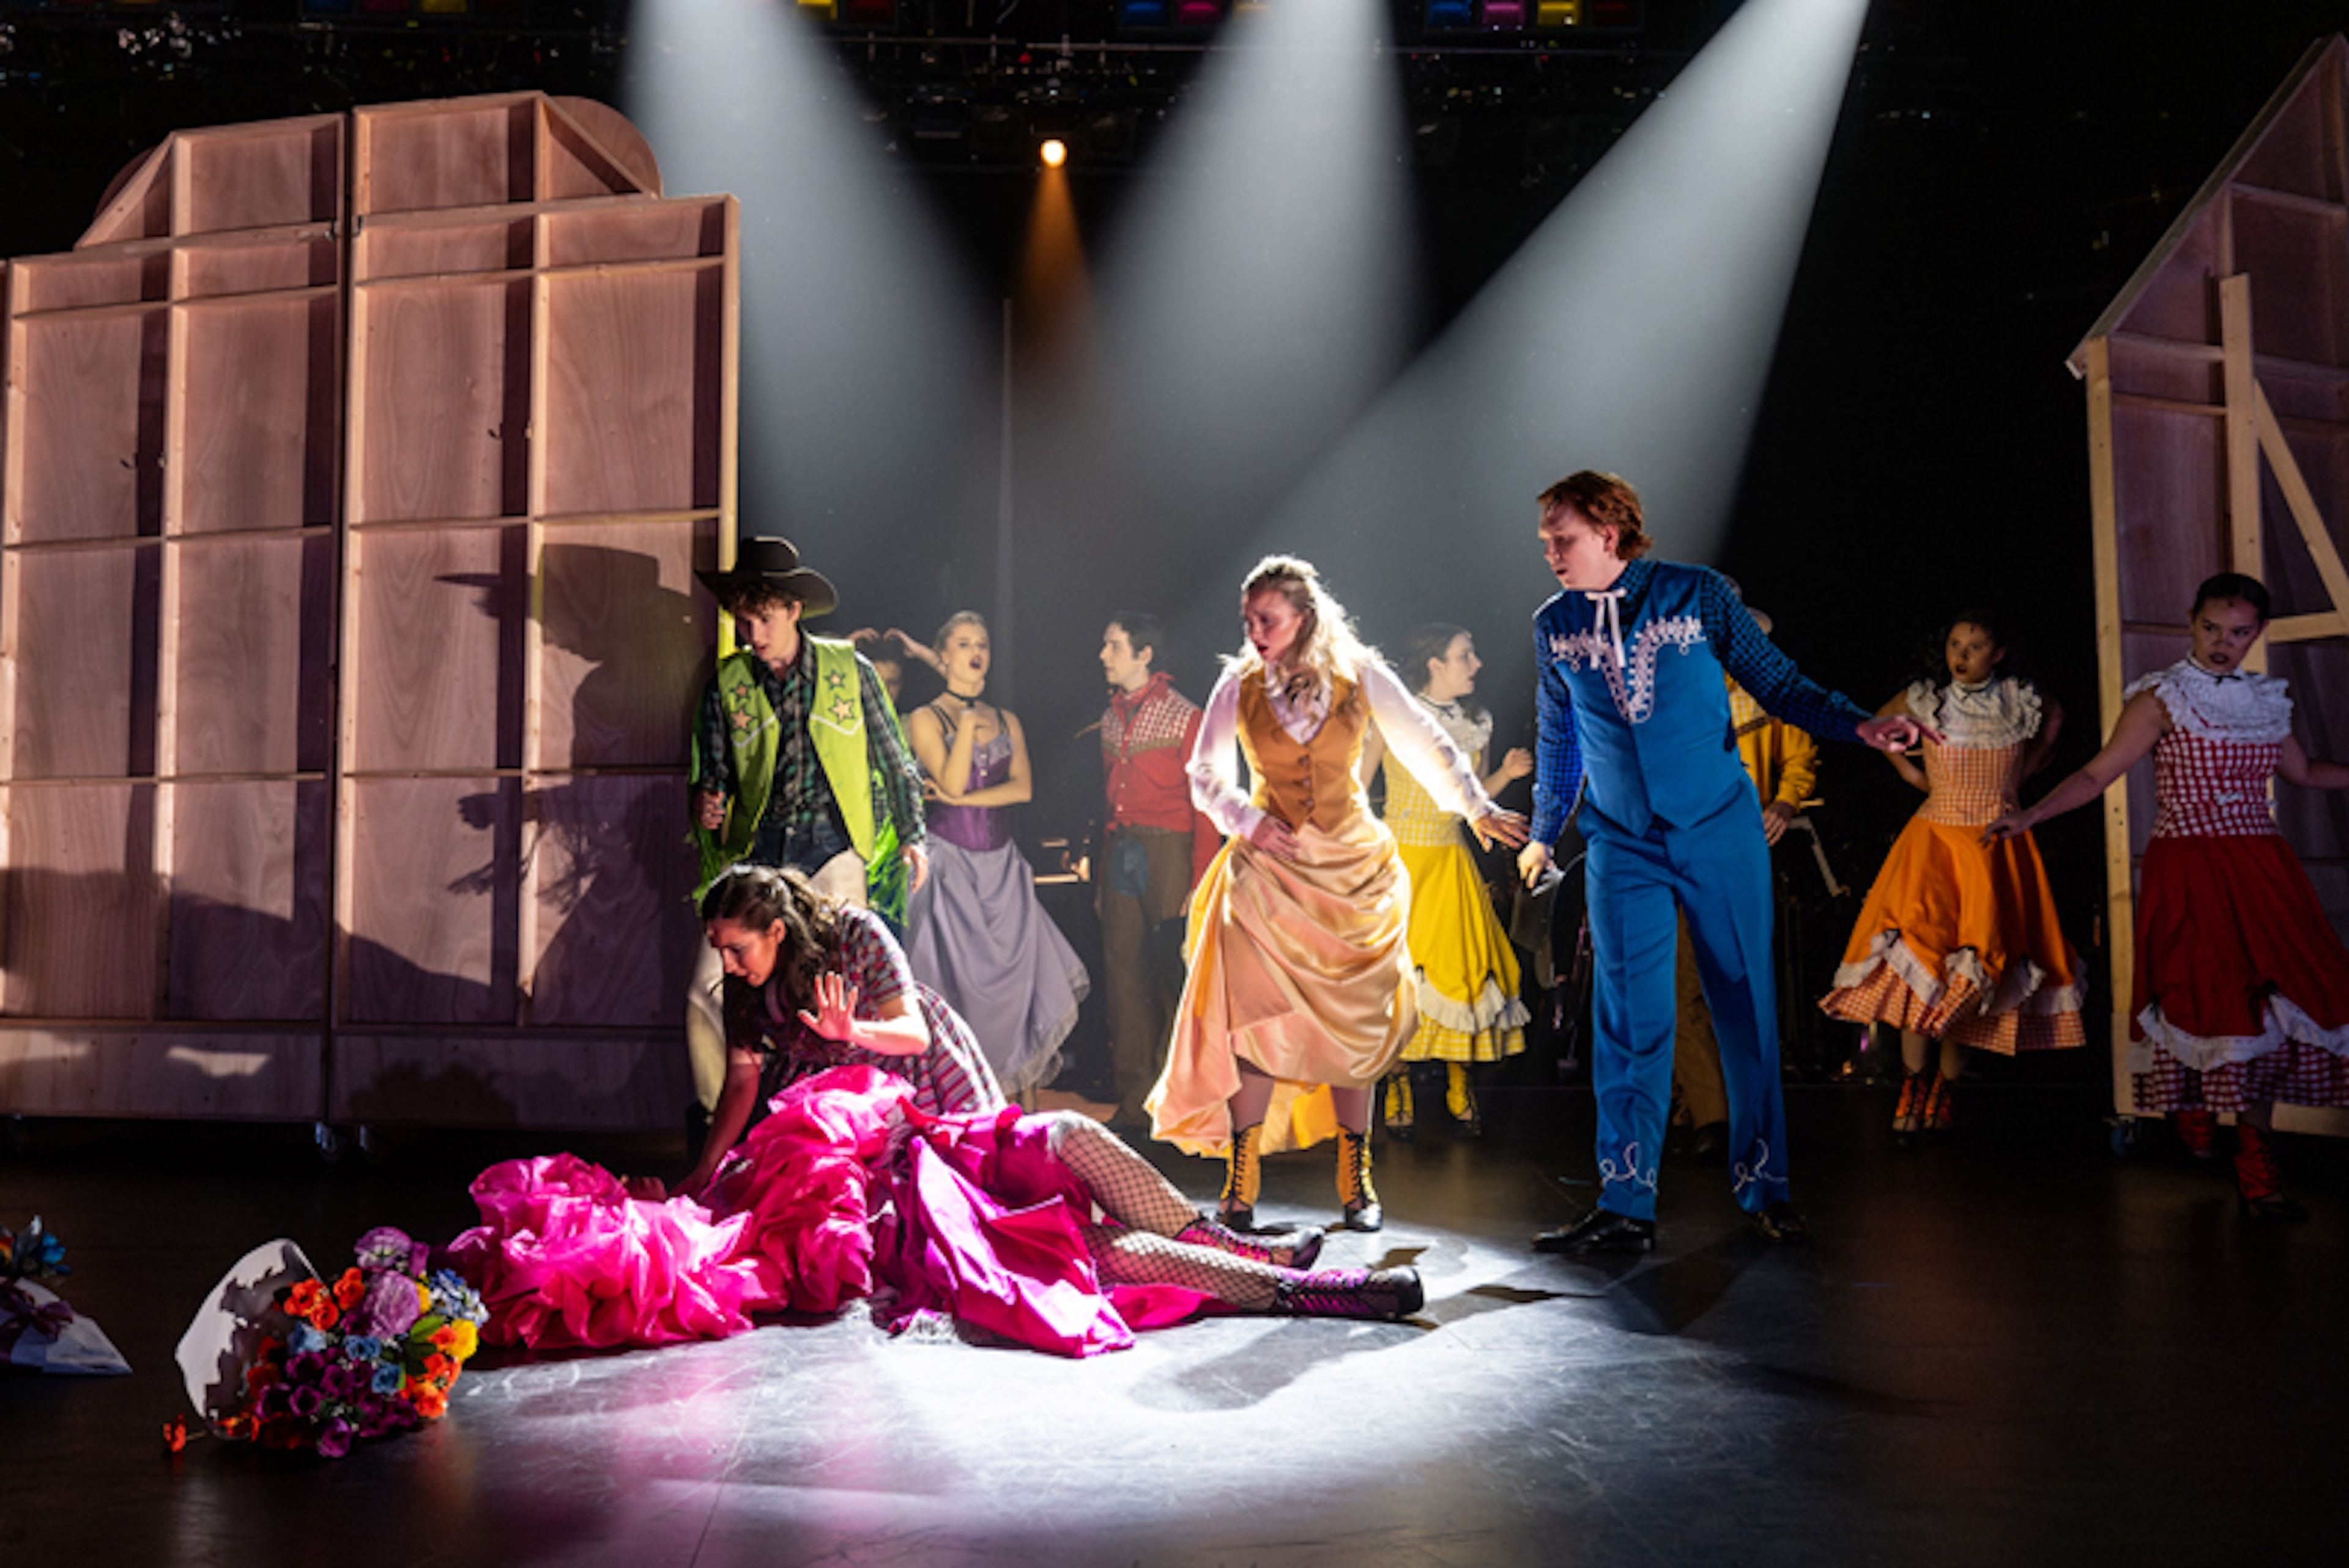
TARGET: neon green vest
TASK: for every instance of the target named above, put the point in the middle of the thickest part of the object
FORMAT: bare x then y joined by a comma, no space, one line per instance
836,726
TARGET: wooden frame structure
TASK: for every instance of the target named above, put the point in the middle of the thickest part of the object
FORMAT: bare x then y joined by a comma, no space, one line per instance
2218,440
355,468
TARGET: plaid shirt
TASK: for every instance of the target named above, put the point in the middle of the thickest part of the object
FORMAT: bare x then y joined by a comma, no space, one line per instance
1748,656
804,827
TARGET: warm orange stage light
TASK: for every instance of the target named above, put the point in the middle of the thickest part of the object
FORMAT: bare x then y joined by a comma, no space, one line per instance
1054,152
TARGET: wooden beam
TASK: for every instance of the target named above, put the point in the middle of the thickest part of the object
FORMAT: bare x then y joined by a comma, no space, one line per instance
2120,901
2245,544
2302,502
2307,627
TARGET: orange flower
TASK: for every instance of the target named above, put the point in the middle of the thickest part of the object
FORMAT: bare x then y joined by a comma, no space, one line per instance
175,1433
430,1402
444,1338
439,1368
350,1290
237,1428
311,1301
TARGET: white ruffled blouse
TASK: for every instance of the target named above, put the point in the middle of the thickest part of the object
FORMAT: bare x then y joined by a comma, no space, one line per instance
2000,712
2238,706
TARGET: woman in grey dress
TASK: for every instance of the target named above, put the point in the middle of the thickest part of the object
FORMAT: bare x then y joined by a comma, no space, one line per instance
980,937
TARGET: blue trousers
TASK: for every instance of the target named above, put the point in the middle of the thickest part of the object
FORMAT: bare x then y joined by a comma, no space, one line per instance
1717,871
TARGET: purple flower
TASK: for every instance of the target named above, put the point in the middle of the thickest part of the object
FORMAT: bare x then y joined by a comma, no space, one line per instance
334,1438
304,1401
343,1381
386,1247
272,1403
305,1368
388,1310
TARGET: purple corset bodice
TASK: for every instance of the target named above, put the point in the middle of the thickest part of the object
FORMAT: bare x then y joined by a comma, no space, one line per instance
976,828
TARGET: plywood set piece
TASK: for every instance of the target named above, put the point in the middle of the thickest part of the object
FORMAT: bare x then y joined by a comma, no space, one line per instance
353,473
2218,440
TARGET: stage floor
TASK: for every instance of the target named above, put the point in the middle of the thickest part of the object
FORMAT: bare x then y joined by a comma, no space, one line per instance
2012,1349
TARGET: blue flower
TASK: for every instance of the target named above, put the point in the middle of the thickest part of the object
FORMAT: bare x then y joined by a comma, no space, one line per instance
362,1348
453,1297
305,1339
389,1377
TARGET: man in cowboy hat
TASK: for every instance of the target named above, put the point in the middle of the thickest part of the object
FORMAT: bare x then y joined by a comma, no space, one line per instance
797,760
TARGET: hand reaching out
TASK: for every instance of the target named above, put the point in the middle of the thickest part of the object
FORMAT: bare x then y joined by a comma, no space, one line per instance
1504,827
834,1017
709,809
1517,762
1896,733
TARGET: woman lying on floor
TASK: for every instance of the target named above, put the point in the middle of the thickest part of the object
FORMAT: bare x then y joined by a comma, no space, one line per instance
876,1158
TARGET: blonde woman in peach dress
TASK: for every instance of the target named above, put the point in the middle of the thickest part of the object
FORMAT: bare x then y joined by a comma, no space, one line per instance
1300,993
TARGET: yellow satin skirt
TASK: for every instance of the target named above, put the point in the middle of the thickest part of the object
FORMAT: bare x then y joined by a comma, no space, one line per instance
1299,967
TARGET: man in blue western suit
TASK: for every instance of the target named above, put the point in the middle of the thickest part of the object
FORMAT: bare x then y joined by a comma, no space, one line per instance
1634,718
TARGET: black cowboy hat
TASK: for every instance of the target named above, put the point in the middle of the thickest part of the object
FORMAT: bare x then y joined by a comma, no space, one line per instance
766,559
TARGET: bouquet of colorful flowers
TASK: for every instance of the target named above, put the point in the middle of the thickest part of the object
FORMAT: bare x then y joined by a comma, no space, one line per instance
38,1328
373,1350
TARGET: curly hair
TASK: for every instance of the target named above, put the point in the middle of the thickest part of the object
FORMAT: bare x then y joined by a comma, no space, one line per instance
757,897
1605,501
1327,646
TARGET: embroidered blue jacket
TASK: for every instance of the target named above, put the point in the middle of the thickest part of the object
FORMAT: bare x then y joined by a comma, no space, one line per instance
1651,732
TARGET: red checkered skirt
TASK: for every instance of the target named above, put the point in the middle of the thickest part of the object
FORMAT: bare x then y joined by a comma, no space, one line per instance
2243,989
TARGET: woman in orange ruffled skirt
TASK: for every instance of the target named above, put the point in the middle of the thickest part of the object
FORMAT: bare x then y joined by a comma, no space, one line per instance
1958,941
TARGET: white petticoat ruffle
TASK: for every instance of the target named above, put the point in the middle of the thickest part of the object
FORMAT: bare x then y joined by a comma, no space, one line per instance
2281,1020
1492,1009
2024,988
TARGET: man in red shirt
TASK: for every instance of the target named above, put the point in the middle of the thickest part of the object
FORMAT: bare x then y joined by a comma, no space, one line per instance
1155,846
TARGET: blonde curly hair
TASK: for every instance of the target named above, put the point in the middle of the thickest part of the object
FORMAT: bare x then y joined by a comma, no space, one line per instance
1327,646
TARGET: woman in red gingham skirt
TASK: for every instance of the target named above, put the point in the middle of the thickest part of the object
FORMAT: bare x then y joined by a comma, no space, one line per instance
2241,996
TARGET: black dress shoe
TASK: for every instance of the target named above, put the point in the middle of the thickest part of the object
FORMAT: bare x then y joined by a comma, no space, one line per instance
1781,1221
1709,1145
1598,1232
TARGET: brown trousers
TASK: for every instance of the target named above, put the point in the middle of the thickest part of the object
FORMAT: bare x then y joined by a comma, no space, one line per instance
1140,989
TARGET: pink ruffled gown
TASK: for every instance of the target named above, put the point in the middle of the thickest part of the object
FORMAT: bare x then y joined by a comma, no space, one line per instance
847,1190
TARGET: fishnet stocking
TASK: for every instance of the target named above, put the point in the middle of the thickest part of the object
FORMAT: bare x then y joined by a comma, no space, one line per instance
1139,1249
1136,1258
1126,1187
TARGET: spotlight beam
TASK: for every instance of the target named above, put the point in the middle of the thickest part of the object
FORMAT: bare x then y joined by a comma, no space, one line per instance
1632,332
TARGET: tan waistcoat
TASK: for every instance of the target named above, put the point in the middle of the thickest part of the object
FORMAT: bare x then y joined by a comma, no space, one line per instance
1305,780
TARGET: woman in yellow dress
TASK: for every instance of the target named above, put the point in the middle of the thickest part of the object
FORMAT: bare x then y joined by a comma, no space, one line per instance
1469,1009
1301,994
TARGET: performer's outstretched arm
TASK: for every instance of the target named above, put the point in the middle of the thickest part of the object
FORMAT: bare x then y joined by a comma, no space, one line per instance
1773,680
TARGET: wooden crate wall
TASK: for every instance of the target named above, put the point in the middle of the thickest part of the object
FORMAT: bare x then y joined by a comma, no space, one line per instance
2218,440
357,468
